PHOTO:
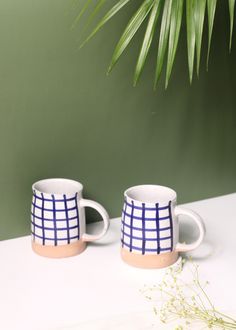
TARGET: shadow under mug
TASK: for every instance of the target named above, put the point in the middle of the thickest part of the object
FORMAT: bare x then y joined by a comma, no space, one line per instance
150,227
58,218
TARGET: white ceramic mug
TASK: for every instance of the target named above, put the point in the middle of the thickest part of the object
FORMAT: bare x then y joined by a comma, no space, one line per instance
150,227
58,218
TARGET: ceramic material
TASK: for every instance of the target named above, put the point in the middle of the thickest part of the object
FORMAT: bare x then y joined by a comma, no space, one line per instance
150,227
58,218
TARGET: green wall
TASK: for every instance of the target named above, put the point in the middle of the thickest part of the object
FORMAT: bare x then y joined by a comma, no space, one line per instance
61,116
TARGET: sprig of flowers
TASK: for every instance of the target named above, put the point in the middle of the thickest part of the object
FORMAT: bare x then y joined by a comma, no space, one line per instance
187,301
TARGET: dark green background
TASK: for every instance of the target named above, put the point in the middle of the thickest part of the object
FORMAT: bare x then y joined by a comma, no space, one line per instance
61,116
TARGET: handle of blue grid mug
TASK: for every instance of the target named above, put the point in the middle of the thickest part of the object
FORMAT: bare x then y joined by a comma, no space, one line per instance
182,247
100,209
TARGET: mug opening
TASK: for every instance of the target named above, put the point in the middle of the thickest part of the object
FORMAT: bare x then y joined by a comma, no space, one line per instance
57,186
150,193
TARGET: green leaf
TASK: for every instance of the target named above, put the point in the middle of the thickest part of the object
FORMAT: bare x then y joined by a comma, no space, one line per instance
95,11
191,38
231,13
163,39
113,11
130,30
199,15
147,39
82,11
211,8
175,25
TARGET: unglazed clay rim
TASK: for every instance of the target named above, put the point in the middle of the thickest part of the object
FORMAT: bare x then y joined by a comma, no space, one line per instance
60,251
177,263
147,264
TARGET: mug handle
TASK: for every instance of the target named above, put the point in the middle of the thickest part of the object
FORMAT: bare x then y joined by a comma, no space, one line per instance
105,217
182,247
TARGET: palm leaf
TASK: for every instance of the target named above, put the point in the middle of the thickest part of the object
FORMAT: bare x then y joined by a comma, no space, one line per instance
132,27
82,11
175,25
163,39
113,11
211,8
147,39
95,11
169,31
231,13
191,38
200,8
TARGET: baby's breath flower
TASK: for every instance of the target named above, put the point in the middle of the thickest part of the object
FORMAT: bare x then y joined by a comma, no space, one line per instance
188,301
155,310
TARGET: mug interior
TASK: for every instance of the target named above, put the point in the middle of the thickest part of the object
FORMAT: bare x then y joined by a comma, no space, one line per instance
150,193
58,186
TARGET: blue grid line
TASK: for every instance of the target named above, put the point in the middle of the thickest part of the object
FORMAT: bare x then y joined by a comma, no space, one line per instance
77,213
66,228
42,214
147,208
143,229
147,229
48,228
158,228
46,219
171,225
56,200
147,239
34,219
54,218
67,220
131,226
63,210
123,226
141,218
52,239
128,222
147,250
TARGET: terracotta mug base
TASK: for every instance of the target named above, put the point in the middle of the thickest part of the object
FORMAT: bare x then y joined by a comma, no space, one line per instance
149,261
59,251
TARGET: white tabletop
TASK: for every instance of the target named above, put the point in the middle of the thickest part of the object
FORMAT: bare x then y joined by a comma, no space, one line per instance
97,290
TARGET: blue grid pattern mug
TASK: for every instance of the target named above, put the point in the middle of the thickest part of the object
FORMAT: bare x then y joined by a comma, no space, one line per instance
58,218
150,227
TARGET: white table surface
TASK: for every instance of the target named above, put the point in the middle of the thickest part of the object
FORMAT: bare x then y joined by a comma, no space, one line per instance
97,290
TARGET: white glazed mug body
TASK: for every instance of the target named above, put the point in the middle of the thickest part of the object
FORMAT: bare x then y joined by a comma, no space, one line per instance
58,218
150,227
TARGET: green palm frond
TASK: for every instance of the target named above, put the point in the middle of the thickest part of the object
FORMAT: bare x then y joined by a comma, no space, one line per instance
175,25
163,39
211,9
191,36
132,27
147,39
81,12
96,10
112,12
231,13
199,11
171,14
